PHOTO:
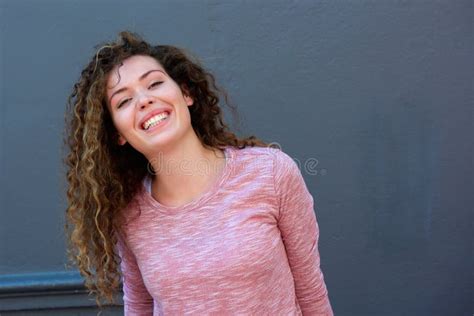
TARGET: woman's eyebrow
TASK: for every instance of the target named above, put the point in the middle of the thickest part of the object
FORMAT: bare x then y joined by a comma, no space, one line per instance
142,77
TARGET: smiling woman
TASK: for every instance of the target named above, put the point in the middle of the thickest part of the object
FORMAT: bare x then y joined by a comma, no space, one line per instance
235,235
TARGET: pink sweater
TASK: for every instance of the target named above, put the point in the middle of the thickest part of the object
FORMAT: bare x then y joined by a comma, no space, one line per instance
247,246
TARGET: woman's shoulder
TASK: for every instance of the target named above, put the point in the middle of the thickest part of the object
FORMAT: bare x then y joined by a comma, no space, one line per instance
257,151
273,157
255,155
265,152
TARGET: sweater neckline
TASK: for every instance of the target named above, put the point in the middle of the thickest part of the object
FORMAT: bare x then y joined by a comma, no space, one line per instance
229,153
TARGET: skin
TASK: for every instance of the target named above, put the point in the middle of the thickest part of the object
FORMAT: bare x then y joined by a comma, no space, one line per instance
184,168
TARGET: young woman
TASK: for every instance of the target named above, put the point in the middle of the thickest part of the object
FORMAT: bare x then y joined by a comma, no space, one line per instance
165,199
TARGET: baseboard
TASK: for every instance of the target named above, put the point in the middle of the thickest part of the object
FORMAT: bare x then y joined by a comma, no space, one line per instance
45,291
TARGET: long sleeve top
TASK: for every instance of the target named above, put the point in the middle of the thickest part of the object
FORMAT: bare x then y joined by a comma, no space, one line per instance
248,245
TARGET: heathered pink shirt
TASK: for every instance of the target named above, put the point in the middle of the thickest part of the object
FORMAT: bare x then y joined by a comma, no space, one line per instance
247,246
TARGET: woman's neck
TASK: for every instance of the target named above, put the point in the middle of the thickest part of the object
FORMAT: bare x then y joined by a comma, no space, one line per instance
184,172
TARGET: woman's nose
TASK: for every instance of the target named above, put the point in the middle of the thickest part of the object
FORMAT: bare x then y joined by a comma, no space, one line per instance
144,101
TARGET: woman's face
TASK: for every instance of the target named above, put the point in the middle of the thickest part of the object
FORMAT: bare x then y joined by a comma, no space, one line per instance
148,108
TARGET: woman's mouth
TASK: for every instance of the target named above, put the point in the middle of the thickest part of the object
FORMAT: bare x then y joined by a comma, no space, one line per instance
155,120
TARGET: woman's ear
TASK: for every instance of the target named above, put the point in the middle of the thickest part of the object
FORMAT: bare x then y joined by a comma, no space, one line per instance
187,96
189,100
121,140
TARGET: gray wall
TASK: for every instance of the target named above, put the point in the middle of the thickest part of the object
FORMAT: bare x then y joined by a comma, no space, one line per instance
379,93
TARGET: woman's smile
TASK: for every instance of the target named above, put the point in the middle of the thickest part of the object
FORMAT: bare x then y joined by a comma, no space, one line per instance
154,117
156,122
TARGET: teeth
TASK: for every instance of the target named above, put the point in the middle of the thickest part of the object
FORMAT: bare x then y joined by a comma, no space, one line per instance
155,120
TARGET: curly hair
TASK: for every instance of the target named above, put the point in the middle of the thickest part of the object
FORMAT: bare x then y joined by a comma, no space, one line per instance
102,176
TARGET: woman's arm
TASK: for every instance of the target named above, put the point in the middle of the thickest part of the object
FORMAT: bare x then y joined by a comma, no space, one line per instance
300,233
136,299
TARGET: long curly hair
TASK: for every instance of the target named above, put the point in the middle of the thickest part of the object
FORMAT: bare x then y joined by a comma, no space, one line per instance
103,176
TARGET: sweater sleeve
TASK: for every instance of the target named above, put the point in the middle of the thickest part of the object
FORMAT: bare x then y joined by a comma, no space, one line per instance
300,233
136,299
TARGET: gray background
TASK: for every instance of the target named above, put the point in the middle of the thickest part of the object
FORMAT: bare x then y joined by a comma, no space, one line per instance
379,93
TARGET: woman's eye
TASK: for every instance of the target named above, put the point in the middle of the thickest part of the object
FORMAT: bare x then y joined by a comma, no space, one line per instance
156,83
123,102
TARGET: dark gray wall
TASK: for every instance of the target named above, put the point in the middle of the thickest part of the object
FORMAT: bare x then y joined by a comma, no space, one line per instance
379,93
